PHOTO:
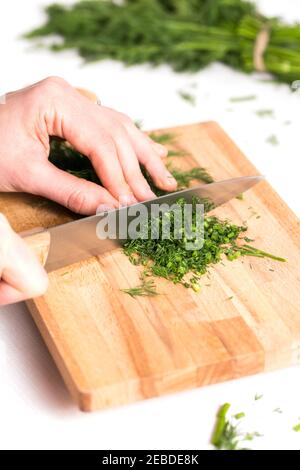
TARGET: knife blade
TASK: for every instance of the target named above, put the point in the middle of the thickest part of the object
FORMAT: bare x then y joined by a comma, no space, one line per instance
78,240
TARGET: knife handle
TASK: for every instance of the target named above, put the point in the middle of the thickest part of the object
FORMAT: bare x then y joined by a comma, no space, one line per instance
39,243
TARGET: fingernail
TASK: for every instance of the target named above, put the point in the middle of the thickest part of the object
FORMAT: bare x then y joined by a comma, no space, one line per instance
127,200
160,149
104,208
170,180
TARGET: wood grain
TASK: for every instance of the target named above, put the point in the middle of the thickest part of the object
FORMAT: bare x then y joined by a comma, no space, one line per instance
112,349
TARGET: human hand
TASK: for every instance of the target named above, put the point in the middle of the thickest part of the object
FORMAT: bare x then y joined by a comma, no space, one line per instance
21,274
108,138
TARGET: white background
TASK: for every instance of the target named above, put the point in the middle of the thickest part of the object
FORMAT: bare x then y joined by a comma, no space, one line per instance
36,411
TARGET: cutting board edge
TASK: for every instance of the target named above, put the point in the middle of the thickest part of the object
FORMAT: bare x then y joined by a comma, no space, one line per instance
91,399
81,396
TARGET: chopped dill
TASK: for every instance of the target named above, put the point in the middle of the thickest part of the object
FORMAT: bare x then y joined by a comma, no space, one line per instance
240,99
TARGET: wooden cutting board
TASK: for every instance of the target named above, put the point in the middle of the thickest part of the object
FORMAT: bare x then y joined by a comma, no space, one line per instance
112,349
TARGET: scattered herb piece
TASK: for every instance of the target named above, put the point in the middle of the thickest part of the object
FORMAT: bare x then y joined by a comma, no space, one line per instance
250,436
296,428
272,139
249,240
258,397
240,99
146,288
252,251
240,196
229,298
265,113
239,416
188,97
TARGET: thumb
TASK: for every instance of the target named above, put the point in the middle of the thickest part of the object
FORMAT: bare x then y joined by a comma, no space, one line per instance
77,194
21,275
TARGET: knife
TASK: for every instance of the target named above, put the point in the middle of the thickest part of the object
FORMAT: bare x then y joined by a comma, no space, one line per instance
75,241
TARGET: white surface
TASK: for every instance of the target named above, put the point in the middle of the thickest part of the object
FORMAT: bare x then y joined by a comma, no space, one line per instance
36,411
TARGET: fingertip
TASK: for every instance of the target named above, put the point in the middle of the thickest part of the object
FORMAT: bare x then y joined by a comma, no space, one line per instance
169,183
127,200
166,181
40,283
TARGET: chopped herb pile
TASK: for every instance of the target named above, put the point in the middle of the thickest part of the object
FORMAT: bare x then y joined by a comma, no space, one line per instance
169,258
187,34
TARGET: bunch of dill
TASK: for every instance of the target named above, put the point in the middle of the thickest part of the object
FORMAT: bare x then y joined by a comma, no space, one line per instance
187,34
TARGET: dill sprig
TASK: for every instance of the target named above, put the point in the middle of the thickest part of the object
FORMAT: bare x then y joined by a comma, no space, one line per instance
146,288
